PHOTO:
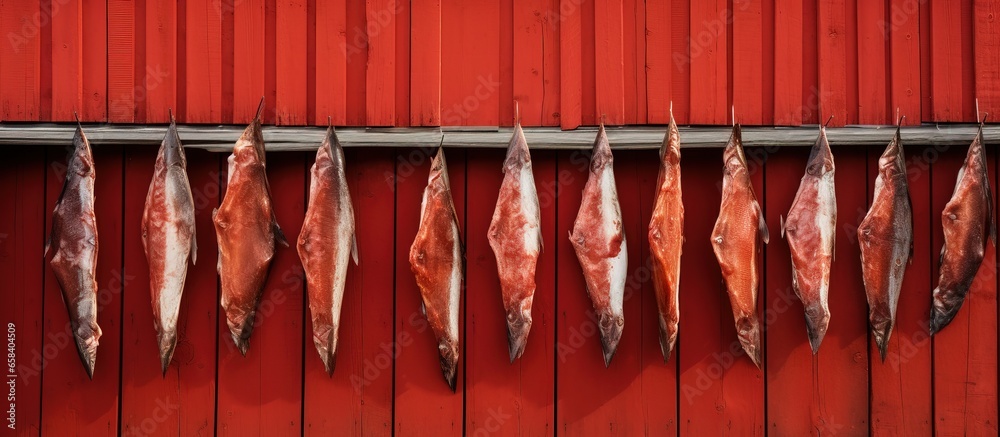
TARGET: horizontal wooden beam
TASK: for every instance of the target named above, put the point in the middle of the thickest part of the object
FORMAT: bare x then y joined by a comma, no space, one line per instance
221,138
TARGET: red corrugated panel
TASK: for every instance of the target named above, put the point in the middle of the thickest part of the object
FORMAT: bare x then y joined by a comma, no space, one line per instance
833,50
570,76
788,69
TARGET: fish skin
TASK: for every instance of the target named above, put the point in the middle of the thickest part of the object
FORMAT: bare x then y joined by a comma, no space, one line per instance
736,241
599,241
326,244
168,239
437,261
516,239
964,219
886,237
666,238
73,242
811,228
246,231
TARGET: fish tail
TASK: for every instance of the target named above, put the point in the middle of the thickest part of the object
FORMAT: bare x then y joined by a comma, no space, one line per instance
168,342
518,327
748,331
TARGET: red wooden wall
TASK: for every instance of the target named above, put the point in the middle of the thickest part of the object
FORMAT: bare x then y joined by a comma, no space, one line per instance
388,379
464,62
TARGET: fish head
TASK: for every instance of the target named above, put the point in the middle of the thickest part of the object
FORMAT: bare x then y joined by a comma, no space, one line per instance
821,157
733,158
81,159
173,150
601,156
517,151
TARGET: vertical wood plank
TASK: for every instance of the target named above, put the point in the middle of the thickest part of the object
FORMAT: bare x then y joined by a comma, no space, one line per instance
402,77
156,86
357,399
536,66
121,61
470,87
987,54
203,61
357,63
903,28
22,238
965,351
496,389
381,74
78,60
292,89
331,62
20,78
873,96
423,401
833,53
680,22
270,375
708,59
747,50
425,63
94,88
788,45
183,400
248,55
901,386
659,61
72,403
634,60
948,56
570,58
588,58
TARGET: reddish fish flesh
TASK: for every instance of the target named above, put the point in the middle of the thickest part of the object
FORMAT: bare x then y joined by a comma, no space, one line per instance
965,219
168,237
73,241
886,236
436,259
246,231
599,241
736,240
515,236
326,245
810,228
666,236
